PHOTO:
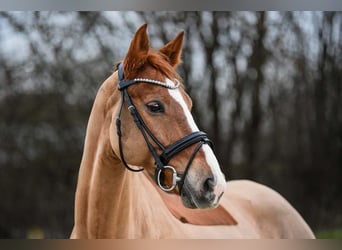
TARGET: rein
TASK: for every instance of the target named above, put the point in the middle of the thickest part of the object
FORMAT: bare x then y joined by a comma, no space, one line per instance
168,152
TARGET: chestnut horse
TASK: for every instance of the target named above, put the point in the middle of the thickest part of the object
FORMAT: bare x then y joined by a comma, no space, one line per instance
141,120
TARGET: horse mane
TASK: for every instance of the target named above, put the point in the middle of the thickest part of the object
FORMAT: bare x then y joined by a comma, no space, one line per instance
155,59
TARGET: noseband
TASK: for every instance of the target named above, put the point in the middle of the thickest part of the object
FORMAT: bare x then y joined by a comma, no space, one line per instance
168,152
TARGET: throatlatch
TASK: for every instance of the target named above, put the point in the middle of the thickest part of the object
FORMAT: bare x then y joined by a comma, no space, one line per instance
168,152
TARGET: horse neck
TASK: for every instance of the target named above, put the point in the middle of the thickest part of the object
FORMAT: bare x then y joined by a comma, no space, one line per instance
101,174
106,191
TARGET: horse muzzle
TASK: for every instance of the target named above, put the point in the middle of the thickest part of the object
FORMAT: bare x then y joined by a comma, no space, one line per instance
202,195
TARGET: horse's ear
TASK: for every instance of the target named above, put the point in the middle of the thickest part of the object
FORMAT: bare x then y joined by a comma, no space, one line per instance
173,50
138,49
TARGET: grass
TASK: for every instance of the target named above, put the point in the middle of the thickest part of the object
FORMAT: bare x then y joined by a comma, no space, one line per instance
329,234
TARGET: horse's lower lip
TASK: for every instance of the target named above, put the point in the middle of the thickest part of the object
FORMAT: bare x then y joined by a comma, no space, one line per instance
191,201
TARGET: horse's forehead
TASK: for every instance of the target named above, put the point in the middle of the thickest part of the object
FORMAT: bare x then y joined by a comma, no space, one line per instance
144,90
174,97
151,73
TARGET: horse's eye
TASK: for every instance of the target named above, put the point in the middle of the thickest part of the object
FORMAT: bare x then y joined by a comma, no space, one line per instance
155,107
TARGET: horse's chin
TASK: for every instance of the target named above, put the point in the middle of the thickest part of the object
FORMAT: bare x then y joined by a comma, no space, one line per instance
188,201
194,201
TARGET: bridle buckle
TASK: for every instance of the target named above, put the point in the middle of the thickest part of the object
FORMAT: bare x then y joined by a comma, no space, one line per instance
175,179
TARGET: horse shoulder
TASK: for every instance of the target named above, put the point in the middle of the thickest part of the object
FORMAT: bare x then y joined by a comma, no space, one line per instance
273,215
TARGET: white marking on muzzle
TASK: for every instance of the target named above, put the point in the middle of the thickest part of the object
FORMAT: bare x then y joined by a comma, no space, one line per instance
216,170
209,154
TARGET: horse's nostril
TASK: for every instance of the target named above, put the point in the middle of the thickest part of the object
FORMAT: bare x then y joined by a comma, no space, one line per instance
209,184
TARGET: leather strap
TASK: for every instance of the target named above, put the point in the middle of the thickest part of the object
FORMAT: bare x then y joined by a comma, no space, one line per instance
182,144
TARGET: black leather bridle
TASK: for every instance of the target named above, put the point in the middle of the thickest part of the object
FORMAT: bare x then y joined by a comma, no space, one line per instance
168,152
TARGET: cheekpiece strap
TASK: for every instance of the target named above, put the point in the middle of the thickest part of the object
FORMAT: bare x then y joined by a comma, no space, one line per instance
122,82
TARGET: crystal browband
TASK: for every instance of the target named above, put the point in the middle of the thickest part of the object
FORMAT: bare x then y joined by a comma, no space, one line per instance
159,83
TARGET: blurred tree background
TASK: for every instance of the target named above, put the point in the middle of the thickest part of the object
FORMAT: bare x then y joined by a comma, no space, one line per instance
266,86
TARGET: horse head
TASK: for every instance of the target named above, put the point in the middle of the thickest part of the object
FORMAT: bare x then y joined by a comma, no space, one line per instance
152,126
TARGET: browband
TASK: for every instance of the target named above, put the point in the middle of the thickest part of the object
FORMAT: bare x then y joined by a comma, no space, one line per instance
124,84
